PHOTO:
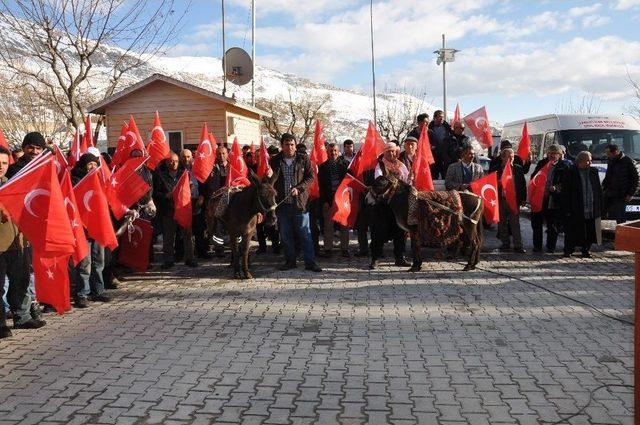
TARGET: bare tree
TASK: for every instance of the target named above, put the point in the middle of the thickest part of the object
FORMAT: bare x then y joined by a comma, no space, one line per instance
589,103
57,46
634,108
296,115
398,113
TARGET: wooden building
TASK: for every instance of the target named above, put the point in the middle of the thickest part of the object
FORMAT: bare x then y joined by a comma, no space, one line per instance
183,108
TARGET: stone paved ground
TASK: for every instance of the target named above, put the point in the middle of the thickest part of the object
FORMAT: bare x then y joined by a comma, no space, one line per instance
346,346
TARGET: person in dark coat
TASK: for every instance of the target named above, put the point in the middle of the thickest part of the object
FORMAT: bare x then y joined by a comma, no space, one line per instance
408,155
454,145
509,225
210,190
439,133
496,162
581,204
551,199
330,175
292,176
620,183
32,145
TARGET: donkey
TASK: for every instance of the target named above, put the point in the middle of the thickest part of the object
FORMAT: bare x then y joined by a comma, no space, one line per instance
241,217
396,193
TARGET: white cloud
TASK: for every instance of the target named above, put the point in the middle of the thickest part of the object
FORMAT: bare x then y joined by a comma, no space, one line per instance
585,10
597,66
626,4
594,21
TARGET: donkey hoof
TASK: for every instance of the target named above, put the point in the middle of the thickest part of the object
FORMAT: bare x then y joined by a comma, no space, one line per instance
237,275
469,267
415,268
247,275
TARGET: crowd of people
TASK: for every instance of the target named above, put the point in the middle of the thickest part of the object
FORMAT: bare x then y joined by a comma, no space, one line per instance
574,200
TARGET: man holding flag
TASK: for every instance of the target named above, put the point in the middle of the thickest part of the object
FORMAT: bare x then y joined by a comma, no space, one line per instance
330,174
512,194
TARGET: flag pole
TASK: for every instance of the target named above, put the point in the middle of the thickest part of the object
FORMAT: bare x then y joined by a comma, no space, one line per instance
373,66
253,52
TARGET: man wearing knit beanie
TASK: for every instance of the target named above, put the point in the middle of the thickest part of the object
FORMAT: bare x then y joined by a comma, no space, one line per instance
32,145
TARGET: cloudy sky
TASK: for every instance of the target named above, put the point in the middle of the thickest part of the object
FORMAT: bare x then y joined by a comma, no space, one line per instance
519,58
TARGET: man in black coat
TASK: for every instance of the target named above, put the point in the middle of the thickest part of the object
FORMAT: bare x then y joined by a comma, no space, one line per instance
619,184
439,133
582,204
330,175
292,176
509,224
32,145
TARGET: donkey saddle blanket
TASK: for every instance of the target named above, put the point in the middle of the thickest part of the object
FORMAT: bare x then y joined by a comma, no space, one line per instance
438,216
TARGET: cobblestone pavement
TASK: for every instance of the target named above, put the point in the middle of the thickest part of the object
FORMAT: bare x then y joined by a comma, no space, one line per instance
345,346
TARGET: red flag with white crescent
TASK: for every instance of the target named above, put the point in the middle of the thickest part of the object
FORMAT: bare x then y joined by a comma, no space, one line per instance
536,187
121,154
158,147
52,280
182,207
75,150
421,165
133,139
33,200
487,188
346,202
318,157
205,156
134,245
237,167
93,208
478,123
373,146
263,160
524,147
82,247
60,162
509,188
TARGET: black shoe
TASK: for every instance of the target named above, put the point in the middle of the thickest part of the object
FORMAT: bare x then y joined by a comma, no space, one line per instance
276,250
80,303
373,265
46,308
192,263
205,256
536,249
287,266
362,254
346,254
550,250
401,262
102,298
30,324
586,254
327,253
505,248
567,255
520,250
313,267
5,332
114,284
167,265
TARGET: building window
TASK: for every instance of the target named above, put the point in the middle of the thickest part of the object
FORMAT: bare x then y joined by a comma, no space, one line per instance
175,140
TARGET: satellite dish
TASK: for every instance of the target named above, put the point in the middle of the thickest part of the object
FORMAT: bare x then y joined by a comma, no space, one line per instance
237,66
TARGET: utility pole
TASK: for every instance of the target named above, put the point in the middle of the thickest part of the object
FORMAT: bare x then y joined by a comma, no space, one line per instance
224,62
445,55
253,52
373,67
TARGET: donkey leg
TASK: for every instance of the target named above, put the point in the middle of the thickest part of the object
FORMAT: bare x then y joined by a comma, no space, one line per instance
246,238
416,250
235,260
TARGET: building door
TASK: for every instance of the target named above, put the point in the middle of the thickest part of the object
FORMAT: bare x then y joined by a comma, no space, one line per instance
175,140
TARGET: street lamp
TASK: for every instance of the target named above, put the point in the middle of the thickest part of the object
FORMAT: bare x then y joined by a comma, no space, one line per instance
445,55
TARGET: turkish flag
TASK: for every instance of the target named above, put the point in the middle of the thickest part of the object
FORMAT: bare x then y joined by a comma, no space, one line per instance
182,208
158,147
88,134
75,151
33,200
478,123
237,167
82,247
125,187
318,157
121,154
133,139
205,156
524,147
52,280
536,188
487,189
263,160
373,146
509,188
421,170
60,162
134,245
252,150
94,210
346,202
5,144
456,116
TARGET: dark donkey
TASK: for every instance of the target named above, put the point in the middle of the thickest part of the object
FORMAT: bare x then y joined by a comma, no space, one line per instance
241,217
396,193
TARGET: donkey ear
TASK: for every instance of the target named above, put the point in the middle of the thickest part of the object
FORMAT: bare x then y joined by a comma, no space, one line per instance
253,177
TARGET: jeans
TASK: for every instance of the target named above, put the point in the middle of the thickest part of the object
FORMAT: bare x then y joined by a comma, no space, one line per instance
13,265
87,275
294,222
